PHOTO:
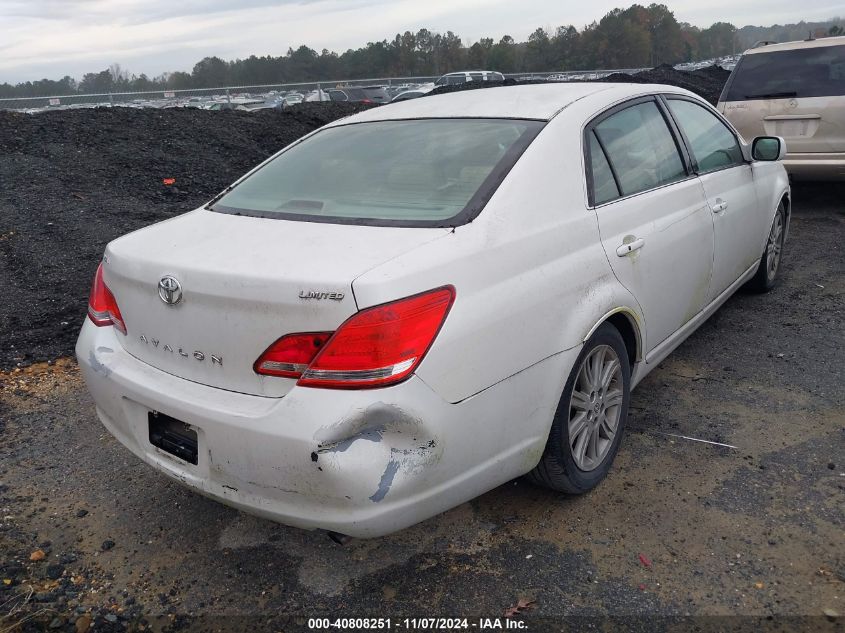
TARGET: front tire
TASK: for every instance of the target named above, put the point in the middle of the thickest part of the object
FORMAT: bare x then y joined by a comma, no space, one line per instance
766,276
590,417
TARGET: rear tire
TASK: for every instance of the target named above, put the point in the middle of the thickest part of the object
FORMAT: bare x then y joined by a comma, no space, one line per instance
590,417
767,272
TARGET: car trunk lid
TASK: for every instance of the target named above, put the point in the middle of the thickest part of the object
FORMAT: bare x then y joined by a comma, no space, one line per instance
244,283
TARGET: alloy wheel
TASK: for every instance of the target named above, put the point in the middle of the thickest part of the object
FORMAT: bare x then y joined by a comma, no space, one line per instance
774,246
595,407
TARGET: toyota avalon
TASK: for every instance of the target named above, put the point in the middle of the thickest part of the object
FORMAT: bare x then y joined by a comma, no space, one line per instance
418,303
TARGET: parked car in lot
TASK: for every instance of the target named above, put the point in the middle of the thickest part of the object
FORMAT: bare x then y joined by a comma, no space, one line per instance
291,99
418,303
413,94
465,76
795,90
372,94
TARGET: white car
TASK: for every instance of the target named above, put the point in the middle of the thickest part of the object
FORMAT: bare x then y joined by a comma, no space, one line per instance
418,303
419,91
468,76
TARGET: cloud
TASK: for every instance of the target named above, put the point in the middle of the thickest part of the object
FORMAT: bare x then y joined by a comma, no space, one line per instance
53,38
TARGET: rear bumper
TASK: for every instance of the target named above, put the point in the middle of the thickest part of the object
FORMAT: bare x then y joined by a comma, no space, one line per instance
363,463
816,166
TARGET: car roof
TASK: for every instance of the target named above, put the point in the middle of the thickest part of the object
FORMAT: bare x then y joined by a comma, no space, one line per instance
534,101
788,46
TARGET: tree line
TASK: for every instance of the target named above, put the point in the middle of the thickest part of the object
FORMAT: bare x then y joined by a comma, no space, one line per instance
635,37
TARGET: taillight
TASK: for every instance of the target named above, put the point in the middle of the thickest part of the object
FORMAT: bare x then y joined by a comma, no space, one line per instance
102,307
376,347
290,355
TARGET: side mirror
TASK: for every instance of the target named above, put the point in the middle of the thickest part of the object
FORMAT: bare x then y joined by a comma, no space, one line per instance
768,148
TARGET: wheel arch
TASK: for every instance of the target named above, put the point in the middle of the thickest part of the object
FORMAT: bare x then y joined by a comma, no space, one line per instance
628,323
786,198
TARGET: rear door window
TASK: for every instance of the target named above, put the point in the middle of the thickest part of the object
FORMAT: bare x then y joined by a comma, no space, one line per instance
712,144
640,148
804,72
604,187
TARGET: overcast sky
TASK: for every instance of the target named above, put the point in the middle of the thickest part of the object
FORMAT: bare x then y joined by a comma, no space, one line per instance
53,38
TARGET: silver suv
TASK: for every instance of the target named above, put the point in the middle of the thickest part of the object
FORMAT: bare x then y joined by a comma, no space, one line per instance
794,90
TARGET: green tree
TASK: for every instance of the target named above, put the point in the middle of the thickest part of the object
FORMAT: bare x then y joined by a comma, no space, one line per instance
565,45
210,72
631,41
503,55
478,56
452,53
717,40
667,42
539,52
97,83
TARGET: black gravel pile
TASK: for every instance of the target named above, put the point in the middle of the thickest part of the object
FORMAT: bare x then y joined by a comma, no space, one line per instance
705,82
73,180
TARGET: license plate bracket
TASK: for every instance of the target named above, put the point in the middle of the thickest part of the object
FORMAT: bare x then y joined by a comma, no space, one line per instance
173,436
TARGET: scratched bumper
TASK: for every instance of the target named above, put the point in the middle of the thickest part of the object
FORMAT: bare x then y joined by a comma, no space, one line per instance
363,463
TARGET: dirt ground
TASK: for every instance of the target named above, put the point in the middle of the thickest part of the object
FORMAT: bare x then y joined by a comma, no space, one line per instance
682,536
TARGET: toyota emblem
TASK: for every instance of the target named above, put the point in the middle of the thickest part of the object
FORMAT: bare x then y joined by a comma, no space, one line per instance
170,290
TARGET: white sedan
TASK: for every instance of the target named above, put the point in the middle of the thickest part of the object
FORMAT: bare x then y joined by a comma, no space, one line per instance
418,303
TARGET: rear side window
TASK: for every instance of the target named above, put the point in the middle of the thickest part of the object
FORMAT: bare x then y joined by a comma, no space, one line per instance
603,184
428,172
802,72
712,144
337,95
640,148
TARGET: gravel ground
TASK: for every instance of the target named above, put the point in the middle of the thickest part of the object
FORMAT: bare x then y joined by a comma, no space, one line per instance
681,536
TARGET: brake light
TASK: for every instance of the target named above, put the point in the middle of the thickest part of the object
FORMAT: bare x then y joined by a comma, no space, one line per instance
102,306
376,347
290,355
382,345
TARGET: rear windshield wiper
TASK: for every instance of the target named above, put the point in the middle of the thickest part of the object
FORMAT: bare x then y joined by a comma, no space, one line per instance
772,95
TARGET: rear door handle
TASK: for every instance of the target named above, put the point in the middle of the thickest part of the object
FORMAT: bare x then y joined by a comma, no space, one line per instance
719,205
630,247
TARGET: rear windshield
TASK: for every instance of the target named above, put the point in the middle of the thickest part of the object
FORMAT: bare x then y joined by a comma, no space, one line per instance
355,94
803,72
376,92
431,172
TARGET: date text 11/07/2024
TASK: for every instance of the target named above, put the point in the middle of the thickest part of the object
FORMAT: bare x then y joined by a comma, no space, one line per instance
415,624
